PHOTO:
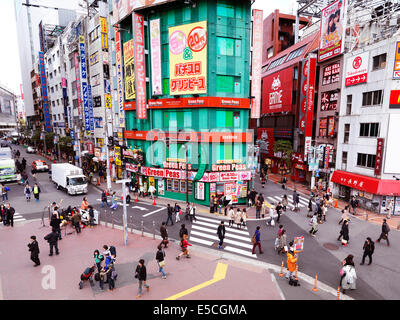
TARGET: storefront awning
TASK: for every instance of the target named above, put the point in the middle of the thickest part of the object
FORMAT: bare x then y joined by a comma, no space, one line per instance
367,184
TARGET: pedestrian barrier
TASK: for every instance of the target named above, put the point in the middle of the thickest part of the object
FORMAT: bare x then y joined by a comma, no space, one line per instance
154,230
336,203
142,229
98,182
297,269
131,219
315,289
281,273
338,293
112,219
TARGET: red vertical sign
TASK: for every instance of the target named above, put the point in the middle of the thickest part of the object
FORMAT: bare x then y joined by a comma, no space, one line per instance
256,64
311,68
379,153
140,71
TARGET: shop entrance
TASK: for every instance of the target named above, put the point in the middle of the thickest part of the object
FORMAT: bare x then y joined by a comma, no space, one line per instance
344,193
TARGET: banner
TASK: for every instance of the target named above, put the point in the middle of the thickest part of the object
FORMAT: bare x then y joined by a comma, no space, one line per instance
310,90
277,91
120,90
129,70
78,84
356,69
121,8
188,58
155,47
266,140
140,69
332,30
43,82
90,109
256,63
379,154
200,190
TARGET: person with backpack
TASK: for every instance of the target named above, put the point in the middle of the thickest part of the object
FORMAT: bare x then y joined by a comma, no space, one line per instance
385,233
104,199
184,247
221,234
52,239
112,251
98,258
34,250
160,257
354,204
55,223
256,240
164,235
369,248
4,192
183,231
169,212
258,208
348,274
291,262
141,275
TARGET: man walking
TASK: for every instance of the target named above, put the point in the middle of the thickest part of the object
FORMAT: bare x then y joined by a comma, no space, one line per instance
76,220
164,235
52,239
354,204
141,275
36,191
104,199
369,248
278,209
258,208
169,211
385,233
256,240
344,232
221,234
10,215
34,250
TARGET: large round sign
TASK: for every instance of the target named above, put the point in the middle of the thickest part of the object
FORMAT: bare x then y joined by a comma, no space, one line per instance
197,39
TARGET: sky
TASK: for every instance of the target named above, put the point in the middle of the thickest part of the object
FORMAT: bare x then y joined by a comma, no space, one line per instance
10,73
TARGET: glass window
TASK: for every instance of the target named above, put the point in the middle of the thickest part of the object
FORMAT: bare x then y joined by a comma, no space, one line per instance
344,157
225,10
346,133
188,119
175,186
190,187
225,84
379,62
183,186
349,103
220,123
169,184
225,46
372,98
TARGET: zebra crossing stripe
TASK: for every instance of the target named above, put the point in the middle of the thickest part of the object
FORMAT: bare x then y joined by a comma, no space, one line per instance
243,252
18,217
194,239
227,234
214,226
217,222
215,238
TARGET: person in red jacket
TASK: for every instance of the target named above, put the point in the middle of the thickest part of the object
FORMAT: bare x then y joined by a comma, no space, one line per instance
184,247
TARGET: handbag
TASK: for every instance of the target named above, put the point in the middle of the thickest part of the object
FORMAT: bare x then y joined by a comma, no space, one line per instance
273,222
162,264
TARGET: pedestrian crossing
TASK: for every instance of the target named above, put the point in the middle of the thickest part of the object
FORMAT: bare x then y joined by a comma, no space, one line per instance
18,217
204,231
303,202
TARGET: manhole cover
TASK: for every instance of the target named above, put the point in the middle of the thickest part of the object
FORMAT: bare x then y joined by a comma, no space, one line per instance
331,246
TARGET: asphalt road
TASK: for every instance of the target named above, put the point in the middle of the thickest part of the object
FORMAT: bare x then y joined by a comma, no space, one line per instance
377,281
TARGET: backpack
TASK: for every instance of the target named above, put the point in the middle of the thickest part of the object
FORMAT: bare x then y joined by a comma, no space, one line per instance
113,251
101,257
97,277
253,239
310,222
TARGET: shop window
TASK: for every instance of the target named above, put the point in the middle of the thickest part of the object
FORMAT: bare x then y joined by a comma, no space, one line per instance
183,186
372,98
220,188
175,185
190,187
379,62
169,184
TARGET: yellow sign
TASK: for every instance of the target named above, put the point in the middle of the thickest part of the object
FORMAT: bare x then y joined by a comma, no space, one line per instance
94,58
119,134
104,41
107,99
151,181
129,70
188,58
117,156
103,25
100,141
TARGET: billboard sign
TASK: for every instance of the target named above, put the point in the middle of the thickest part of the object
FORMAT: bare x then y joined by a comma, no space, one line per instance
155,47
256,63
379,154
120,90
188,58
78,85
332,30
129,70
277,91
310,90
140,68
121,8
396,68
43,82
356,69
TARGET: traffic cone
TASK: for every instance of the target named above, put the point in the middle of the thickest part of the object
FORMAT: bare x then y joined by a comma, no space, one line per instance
107,194
137,198
154,202
98,182
336,205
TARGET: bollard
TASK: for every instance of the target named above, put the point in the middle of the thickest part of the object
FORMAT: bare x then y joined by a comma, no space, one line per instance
105,218
112,219
315,289
154,230
281,273
338,293
142,229
297,269
130,218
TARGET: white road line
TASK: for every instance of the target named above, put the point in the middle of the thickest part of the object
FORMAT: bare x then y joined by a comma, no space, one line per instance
148,214
207,243
214,231
245,253
215,226
217,222
215,238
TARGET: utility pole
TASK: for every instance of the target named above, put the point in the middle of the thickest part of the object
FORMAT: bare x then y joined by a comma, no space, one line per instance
124,216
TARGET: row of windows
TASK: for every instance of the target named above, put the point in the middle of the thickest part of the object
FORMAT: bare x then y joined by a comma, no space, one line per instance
363,160
366,130
370,98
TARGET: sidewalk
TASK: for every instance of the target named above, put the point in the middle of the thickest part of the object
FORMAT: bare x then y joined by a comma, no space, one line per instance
373,217
207,275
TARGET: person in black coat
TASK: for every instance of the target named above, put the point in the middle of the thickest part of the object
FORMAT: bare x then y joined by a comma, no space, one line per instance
52,239
34,250
221,234
141,275
369,247
183,231
55,223
169,212
344,232
164,235
385,232
10,214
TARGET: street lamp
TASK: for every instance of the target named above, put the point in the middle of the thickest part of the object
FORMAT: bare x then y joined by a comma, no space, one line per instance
187,176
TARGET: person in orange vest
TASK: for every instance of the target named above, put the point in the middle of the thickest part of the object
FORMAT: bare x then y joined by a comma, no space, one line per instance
291,265
85,204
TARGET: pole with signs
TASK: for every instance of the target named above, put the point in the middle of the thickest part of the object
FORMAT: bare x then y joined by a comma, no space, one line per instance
124,216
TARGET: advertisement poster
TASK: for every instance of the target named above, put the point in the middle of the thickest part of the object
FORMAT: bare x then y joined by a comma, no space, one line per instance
155,47
332,30
117,156
311,69
129,70
266,140
188,58
329,100
78,85
379,154
140,70
120,90
161,187
396,68
200,190
256,63
356,69
298,243
277,91
331,74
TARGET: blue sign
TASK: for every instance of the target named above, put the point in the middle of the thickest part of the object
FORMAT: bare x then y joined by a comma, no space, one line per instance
90,107
86,105
72,134
83,60
46,112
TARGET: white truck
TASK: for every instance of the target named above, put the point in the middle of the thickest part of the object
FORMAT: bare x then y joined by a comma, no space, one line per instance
7,170
69,177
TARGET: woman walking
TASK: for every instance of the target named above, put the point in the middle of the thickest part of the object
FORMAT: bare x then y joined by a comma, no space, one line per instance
141,275
314,224
284,202
184,248
345,214
231,216
244,217
310,208
238,218
344,232
282,242
348,274
178,211
3,212
160,256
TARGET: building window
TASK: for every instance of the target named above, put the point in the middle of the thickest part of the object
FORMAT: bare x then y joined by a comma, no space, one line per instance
52,89
72,62
346,133
228,84
229,46
58,53
73,87
51,75
295,73
366,160
56,87
295,53
294,96
190,187
379,62
348,104
94,35
175,186
183,186
369,129
169,184
55,72
372,98
225,10
270,52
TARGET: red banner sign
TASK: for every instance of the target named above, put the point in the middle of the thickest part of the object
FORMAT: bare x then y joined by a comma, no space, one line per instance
140,70
202,102
277,91
379,153
394,102
331,126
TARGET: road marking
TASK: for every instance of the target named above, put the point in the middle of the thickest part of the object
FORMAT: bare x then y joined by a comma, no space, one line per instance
140,208
219,274
214,221
148,214
206,242
226,233
215,238
216,225
245,253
